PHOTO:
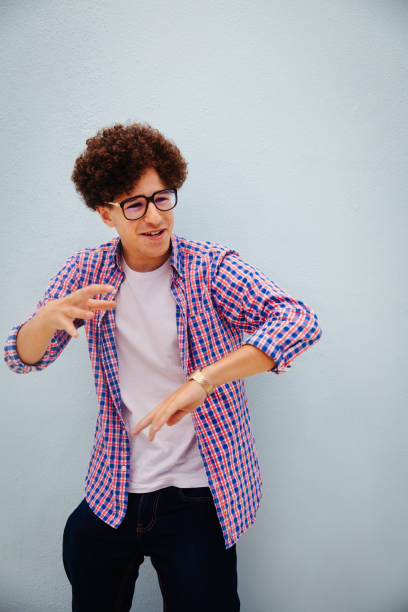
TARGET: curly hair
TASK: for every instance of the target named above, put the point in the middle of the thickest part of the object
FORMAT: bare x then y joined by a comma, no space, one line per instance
116,158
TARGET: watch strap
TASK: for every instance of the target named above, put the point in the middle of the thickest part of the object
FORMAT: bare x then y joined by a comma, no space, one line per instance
199,377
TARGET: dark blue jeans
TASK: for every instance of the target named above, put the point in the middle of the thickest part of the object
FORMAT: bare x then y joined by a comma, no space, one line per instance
177,528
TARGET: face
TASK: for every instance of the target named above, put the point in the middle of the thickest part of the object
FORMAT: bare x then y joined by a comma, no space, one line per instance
142,253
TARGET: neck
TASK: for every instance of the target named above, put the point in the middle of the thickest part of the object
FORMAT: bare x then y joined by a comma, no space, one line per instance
148,265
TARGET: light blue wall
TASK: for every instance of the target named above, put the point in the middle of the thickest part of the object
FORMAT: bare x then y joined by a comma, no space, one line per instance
293,118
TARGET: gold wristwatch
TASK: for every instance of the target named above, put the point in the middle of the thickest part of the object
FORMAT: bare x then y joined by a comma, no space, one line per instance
204,382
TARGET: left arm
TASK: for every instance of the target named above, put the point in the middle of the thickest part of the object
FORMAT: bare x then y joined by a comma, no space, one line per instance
245,361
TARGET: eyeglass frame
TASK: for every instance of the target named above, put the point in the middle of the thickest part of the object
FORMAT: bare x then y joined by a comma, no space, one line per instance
148,200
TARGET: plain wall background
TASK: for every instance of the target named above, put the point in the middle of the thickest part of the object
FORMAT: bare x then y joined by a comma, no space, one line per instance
293,119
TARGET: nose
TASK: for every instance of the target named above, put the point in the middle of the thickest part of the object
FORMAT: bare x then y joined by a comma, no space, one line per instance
152,214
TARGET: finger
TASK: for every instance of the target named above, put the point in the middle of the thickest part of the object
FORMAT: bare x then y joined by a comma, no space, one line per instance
101,304
176,417
142,424
70,328
94,289
79,313
152,432
158,421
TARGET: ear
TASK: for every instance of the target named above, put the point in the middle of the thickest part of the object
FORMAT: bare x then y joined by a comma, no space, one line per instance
105,214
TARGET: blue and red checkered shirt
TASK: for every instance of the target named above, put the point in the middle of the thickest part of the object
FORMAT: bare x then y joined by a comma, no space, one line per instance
219,296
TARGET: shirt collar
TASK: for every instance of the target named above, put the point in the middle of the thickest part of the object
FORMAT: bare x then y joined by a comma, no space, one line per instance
175,256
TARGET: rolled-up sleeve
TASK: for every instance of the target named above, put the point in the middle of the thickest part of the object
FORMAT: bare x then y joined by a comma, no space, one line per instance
65,281
280,325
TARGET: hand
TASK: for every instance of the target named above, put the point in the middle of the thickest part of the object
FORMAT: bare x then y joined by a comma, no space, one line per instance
61,313
173,408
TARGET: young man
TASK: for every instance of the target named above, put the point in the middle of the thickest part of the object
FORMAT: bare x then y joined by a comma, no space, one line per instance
174,472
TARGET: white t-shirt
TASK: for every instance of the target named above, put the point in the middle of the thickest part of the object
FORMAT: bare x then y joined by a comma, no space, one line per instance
149,370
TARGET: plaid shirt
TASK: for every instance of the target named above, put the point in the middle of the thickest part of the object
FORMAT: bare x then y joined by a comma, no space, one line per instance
219,296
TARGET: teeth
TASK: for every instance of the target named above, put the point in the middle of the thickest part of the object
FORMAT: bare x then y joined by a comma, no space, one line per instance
153,233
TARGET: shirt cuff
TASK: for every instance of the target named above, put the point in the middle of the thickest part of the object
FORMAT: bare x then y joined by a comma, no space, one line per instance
267,345
12,358
57,343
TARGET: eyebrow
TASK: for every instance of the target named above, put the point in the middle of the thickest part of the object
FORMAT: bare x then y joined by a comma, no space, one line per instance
141,195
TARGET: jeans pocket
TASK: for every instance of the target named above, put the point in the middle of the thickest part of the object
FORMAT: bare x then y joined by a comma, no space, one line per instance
195,494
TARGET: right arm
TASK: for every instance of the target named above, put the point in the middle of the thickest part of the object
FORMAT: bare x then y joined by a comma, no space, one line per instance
37,342
34,337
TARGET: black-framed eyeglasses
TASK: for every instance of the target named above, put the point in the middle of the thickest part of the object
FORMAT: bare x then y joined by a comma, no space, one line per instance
136,206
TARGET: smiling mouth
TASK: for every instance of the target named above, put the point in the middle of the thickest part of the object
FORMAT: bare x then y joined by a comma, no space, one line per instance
153,234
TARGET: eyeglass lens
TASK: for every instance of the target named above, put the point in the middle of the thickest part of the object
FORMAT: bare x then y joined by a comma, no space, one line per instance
165,200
